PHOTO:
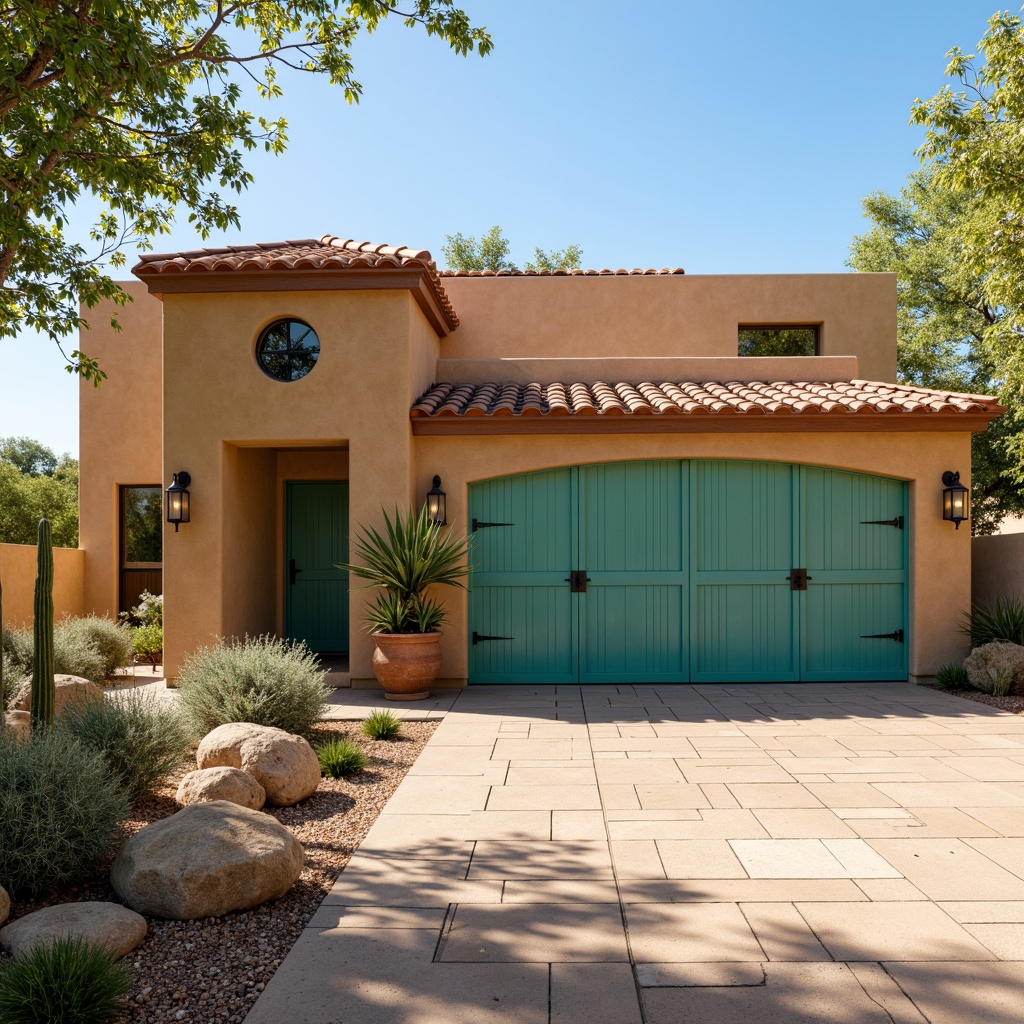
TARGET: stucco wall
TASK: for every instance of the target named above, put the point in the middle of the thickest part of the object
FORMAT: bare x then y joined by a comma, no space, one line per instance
119,430
997,567
688,315
18,578
940,557
219,576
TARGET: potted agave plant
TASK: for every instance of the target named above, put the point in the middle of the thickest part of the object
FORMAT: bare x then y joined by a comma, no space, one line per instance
402,563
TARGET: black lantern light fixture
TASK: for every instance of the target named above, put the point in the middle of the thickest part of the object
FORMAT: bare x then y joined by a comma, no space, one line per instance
956,499
436,503
177,499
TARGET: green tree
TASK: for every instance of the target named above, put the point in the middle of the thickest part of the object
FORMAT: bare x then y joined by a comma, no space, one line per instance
140,105
943,322
37,487
492,250
975,140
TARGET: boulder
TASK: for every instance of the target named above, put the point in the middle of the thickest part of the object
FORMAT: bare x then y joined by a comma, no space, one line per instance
286,766
19,723
985,663
230,784
103,924
68,688
5,905
207,859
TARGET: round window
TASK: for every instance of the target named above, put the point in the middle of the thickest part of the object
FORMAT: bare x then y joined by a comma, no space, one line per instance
287,349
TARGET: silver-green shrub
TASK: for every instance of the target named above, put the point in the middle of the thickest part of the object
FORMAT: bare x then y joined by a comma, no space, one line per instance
60,809
14,685
141,739
265,680
108,638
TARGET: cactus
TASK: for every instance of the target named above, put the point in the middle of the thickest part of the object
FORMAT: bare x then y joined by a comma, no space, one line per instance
43,686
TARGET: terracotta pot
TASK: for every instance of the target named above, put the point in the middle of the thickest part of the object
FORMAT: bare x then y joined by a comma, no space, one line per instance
405,664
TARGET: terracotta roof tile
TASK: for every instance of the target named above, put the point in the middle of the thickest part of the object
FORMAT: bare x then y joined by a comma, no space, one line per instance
744,398
636,271
325,253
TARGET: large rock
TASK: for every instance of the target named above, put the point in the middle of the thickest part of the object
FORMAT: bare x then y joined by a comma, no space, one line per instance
984,664
102,924
232,784
286,766
207,860
19,723
5,905
68,688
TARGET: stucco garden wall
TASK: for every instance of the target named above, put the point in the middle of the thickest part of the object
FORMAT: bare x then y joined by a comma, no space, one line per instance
18,577
940,556
997,567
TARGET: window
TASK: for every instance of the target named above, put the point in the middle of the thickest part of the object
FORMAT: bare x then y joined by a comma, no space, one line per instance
795,340
287,350
142,522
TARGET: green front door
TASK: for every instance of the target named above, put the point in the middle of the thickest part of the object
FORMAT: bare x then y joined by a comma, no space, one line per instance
665,571
316,594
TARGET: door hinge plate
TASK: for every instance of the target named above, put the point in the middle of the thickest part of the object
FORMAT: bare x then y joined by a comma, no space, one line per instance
896,635
897,521
479,524
479,638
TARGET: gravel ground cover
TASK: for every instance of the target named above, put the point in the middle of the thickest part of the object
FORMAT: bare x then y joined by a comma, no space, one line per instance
215,968
1008,703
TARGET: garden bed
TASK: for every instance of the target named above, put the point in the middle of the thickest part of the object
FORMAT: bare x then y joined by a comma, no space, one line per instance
215,968
1014,704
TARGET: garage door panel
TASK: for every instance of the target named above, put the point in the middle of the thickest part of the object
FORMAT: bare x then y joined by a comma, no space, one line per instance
632,634
536,622
845,630
743,633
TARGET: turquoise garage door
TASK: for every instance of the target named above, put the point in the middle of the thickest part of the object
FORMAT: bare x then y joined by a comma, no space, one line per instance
675,571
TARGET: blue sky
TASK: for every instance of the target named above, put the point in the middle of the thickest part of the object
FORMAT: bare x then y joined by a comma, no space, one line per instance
723,139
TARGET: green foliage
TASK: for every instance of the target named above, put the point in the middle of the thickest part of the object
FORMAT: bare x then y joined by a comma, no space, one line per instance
44,692
412,555
491,252
141,740
264,680
382,725
110,640
74,654
142,107
777,341
13,685
60,807
974,138
943,325
1001,680
70,982
340,757
148,612
34,485
1003,619
148,643
952,677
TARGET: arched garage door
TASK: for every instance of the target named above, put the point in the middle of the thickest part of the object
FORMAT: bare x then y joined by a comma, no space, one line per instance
688,571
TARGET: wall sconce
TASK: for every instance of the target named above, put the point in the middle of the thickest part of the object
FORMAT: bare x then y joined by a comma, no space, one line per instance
178,498
436,504
956,499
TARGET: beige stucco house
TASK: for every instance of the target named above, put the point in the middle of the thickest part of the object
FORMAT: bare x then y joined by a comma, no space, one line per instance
647,505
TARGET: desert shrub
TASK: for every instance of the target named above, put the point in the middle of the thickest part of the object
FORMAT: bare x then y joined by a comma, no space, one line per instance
1003,619
60,807
148,641
109,639
73,653
141,740
340,757
382,725
14,685
71,981
264,680
16,645
952,677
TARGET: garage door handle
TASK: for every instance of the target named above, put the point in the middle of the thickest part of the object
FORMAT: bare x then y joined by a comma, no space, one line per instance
798,579
577,580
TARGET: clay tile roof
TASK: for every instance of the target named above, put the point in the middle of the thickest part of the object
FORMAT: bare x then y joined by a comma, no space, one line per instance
715,398
325,253
560,273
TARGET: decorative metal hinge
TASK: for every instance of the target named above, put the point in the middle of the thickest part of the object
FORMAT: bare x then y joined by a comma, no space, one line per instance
479,524
798,579
897,521
479,638
897,635
577,580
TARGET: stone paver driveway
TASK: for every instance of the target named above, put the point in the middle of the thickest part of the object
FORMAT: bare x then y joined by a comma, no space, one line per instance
684,855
